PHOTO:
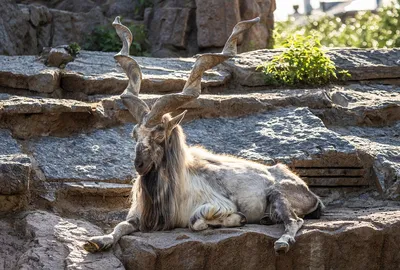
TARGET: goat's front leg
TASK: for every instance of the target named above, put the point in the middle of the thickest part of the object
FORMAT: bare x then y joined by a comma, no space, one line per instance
215,216
104,242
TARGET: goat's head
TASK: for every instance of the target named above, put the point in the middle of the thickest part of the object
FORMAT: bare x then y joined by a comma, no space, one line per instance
152,141
154,124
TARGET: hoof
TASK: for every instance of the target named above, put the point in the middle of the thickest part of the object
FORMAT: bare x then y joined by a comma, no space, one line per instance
199,225
267,220
97,244
281,247
243,219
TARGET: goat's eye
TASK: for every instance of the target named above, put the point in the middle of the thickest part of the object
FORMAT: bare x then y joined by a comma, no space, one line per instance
159,138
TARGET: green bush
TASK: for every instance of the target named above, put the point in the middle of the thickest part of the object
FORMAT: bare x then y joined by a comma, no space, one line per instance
302,62
105,38
74,49
365,30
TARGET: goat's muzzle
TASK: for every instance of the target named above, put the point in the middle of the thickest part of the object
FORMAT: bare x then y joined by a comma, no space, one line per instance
141,167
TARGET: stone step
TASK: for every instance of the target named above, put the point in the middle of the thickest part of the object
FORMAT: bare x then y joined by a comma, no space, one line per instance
37,116
97,188
291,135
362,64
364,105
358,233
361,229
97,73
381,146
26,72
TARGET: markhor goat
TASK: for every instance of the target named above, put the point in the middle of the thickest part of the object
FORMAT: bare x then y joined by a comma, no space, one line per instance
182,186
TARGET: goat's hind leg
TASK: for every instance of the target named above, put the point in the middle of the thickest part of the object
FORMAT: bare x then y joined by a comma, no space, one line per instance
215,216
104,242
283,212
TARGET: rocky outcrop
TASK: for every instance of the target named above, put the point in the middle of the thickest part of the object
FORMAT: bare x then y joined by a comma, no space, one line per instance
26,29
363,235
183,28
74,158
175,28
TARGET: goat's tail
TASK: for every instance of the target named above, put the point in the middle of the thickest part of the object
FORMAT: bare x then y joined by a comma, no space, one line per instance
316,214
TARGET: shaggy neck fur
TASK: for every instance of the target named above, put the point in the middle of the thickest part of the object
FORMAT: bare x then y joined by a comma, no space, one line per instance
158,187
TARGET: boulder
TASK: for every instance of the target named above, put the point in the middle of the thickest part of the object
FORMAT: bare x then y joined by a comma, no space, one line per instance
169,29
18,36
15,173
260,36
345,237
74,27
59,56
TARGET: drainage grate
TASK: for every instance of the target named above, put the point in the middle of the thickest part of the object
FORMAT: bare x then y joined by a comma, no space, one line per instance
332,176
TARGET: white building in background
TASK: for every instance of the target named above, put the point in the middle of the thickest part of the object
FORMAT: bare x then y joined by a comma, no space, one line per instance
284,8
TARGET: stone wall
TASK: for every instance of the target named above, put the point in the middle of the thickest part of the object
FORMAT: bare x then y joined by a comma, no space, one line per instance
66,162
175,28
186,27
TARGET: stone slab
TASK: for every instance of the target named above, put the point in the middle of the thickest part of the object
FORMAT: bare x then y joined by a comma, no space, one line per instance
11,104
362,105
231,105
362,64
36,116
97,73
103,155
97,188
345,238
26,72
290,135
282,135
383,146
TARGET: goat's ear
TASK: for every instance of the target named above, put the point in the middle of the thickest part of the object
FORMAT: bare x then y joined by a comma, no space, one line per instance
175,121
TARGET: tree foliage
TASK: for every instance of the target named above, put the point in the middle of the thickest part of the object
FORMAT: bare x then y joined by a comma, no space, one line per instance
380,29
